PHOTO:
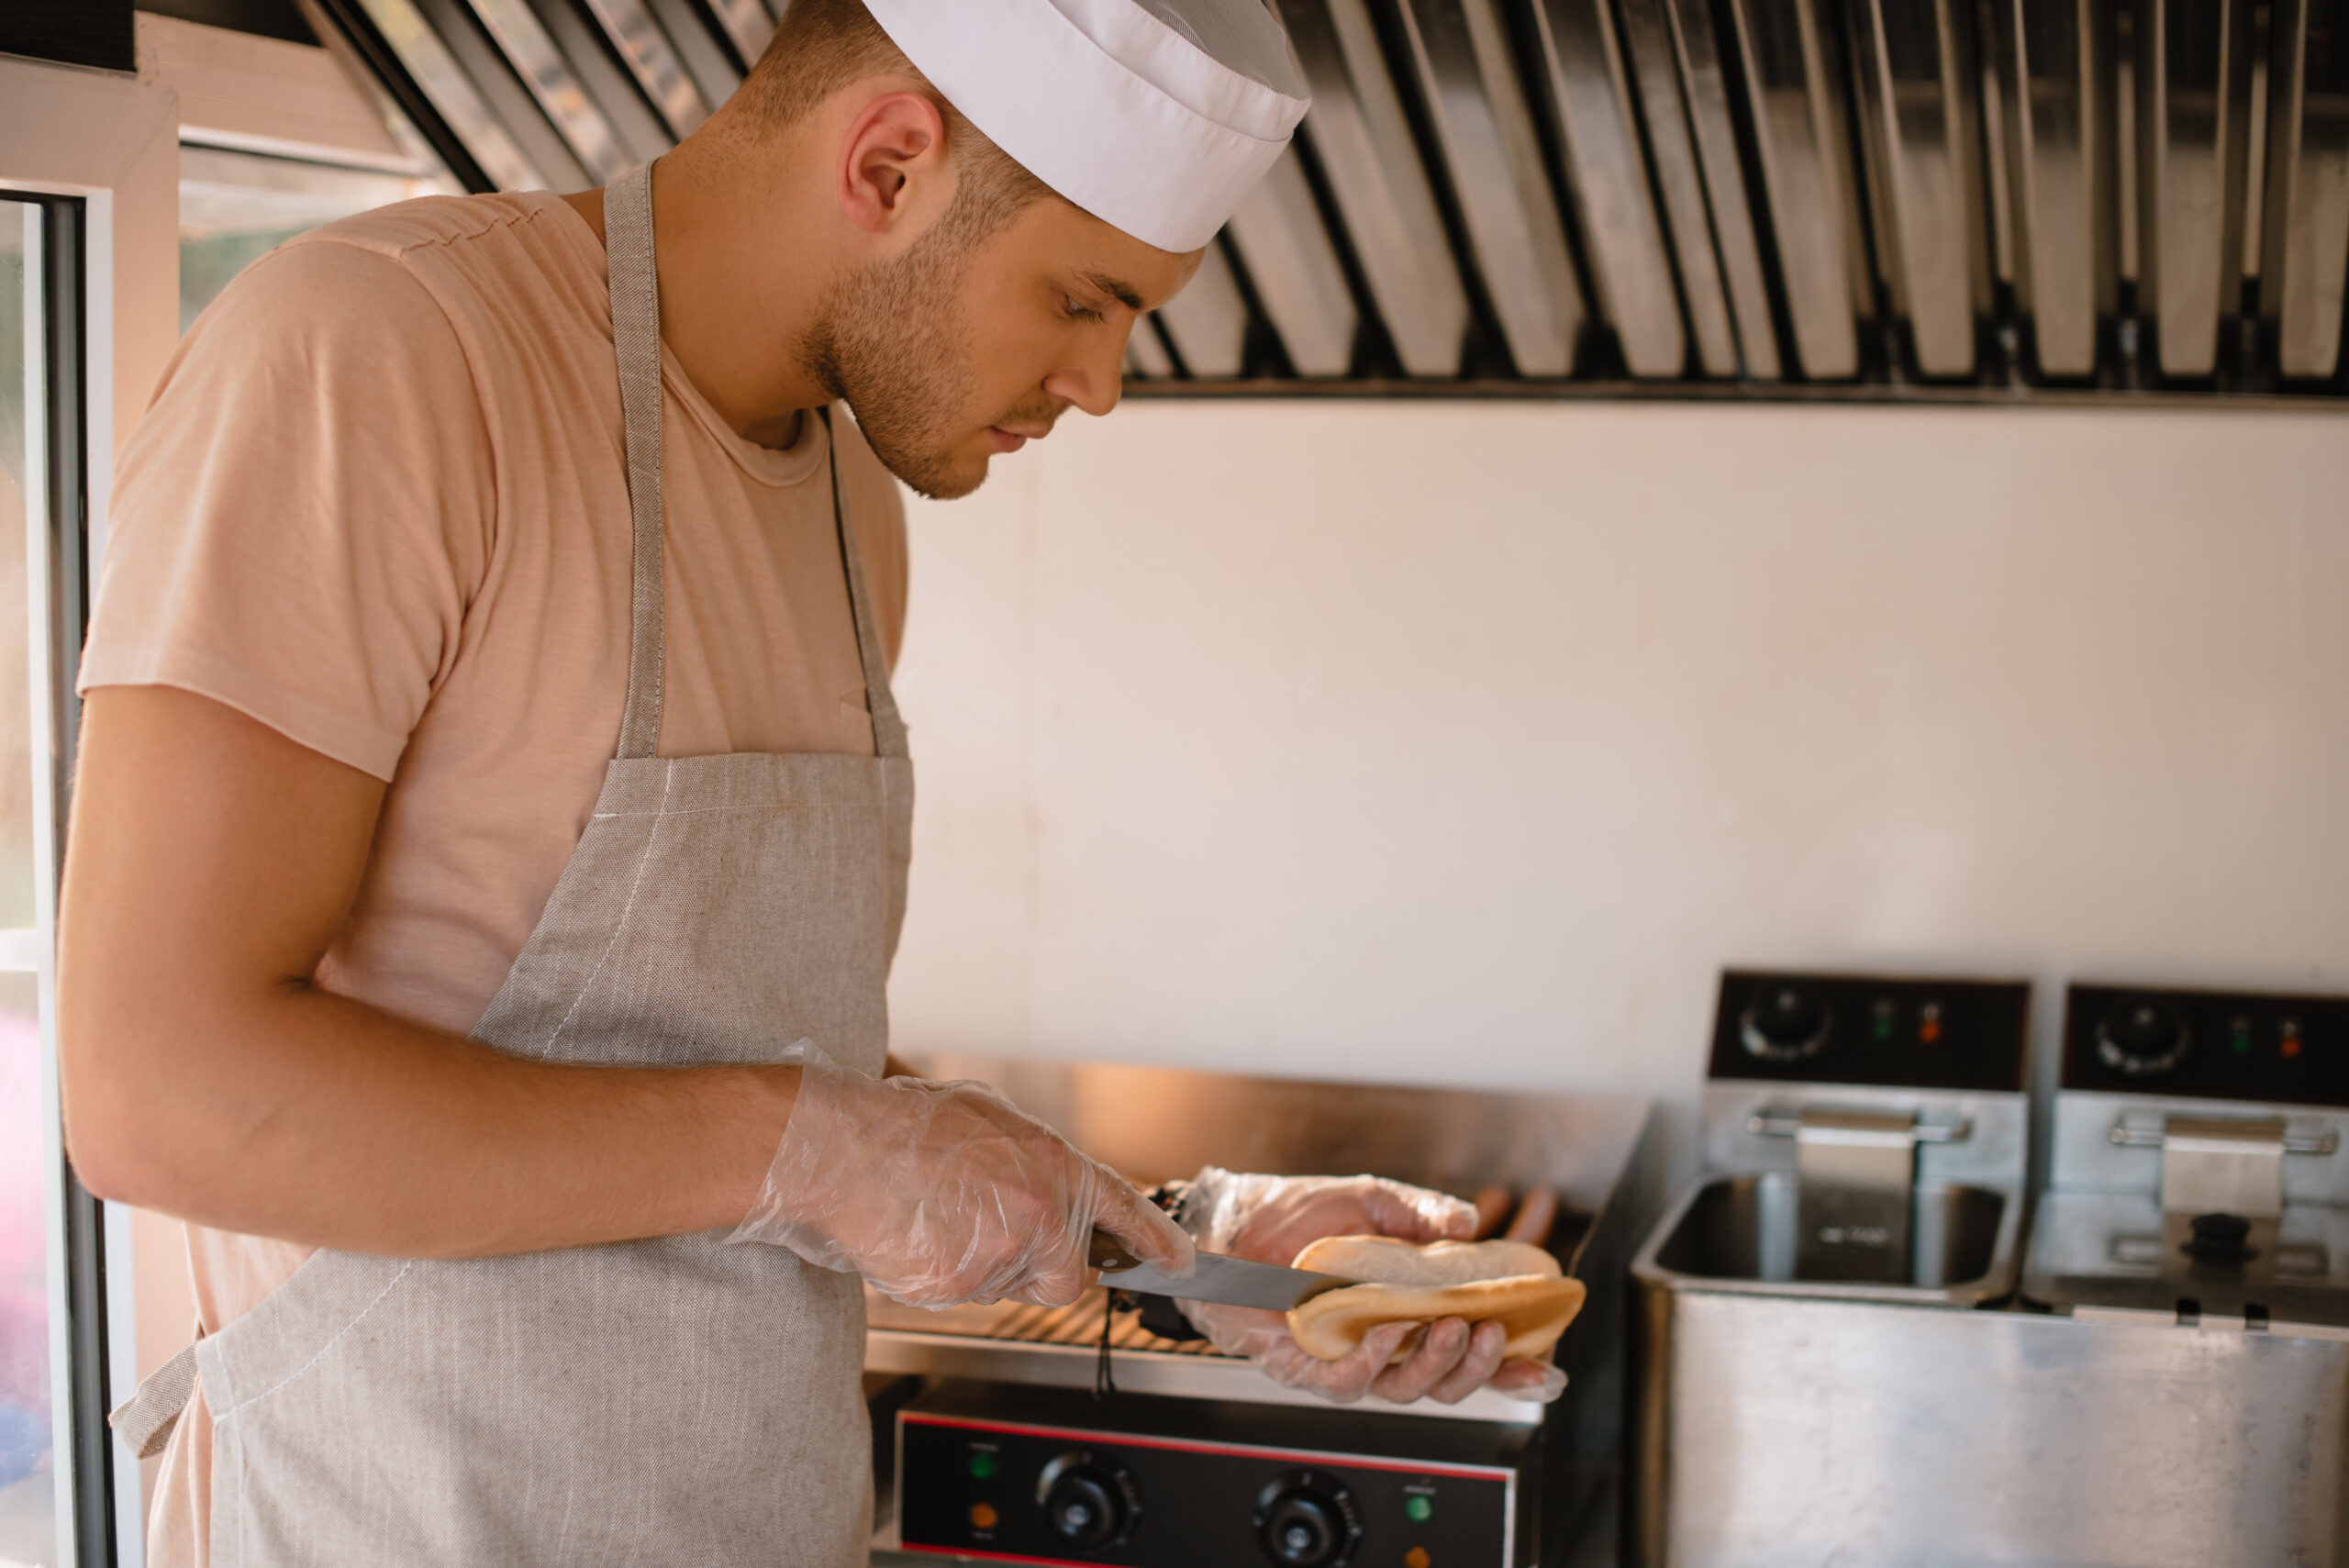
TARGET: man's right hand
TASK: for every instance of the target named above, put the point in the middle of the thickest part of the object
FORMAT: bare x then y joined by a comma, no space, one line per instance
945,1192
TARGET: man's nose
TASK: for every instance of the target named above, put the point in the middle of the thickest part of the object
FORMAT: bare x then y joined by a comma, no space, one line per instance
1095,380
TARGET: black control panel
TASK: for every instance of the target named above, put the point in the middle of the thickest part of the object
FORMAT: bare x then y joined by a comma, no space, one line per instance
1011,1474
2217,1045
1847,1029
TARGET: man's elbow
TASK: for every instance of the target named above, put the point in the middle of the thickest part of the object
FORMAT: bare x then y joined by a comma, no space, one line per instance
100,1166
111,1148
119,1137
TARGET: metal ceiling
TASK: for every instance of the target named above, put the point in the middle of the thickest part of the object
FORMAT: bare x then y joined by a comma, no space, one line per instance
1541,196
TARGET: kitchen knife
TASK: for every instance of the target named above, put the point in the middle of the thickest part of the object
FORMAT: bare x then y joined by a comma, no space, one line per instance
1232,1281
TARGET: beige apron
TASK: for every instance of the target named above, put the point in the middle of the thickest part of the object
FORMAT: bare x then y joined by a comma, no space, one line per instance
675,1400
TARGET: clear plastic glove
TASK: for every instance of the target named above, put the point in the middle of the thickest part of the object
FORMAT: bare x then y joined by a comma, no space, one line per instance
1270,1219
944,1192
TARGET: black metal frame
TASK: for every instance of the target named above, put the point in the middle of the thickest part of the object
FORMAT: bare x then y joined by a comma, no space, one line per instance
1923,394
352,19
96,34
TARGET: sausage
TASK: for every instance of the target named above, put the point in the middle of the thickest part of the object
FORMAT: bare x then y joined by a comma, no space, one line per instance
1492,1209
1535,1216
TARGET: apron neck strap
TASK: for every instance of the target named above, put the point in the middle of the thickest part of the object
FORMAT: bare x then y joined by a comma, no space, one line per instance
889,726
636,342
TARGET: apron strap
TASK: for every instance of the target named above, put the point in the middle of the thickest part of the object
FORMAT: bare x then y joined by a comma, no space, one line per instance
889,726
144,1421
636,342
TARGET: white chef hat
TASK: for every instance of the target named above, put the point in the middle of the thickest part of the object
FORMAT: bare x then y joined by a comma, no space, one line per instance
1154,115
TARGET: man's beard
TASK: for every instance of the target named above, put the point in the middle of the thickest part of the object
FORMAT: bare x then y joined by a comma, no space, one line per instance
891,343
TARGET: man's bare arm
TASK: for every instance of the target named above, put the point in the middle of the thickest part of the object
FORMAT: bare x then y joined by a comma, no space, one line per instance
205,1075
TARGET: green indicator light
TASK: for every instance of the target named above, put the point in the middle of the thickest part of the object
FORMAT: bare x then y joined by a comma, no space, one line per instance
982,1465
1417,1509
2239,1037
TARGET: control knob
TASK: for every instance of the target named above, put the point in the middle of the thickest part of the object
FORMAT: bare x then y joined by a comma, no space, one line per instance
1306,1520
2142,1035
1787,1021
1089,1501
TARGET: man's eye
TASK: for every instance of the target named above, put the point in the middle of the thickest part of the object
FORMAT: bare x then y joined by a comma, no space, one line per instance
1077,310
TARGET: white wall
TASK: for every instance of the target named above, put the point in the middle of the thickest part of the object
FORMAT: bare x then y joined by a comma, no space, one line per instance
1466,742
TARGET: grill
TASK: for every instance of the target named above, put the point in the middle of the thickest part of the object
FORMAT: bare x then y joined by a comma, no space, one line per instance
1010,1372
1822,198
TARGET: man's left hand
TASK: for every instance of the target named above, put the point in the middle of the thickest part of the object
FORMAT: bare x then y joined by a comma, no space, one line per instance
1272,1218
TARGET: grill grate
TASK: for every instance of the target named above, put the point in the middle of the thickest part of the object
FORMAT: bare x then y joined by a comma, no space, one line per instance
1016,1322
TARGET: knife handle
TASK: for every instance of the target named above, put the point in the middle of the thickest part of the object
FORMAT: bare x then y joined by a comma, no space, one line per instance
1107,1253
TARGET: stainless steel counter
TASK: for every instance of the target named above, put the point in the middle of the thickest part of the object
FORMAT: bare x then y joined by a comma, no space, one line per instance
2100,1454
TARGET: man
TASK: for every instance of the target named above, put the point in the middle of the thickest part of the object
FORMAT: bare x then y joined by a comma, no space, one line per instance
491,830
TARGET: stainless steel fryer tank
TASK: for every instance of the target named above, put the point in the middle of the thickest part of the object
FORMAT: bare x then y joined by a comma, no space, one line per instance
1806,1313
2193,1244
1733,1231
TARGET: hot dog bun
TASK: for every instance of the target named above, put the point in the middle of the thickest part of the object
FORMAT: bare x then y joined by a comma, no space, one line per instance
1512,1283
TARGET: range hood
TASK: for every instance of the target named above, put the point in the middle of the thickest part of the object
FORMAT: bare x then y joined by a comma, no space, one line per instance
1820,198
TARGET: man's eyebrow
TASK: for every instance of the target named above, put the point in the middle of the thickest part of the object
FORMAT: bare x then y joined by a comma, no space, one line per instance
1123,293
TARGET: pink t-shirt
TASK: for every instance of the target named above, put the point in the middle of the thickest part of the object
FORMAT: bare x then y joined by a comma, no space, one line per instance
379,506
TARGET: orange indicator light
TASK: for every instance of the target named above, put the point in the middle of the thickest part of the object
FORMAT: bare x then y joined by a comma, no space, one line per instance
983,1516
1416,1558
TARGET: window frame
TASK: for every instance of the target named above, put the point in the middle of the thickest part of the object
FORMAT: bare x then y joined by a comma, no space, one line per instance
97,153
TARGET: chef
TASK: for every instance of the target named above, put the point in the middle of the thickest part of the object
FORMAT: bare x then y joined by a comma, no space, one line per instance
492,820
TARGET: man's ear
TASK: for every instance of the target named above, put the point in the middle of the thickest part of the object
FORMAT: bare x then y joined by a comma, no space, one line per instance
894,169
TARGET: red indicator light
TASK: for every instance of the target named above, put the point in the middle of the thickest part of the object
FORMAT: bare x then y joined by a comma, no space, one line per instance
2290,1043
1928,1023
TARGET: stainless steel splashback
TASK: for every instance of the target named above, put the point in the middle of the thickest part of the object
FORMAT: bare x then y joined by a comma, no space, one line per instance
1156,1124
1956,197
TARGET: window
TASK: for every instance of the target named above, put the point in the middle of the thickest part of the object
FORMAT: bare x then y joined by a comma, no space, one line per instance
237,206
278,134
47,1225
87,227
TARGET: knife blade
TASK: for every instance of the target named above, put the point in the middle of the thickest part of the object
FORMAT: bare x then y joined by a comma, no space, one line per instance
1228,1281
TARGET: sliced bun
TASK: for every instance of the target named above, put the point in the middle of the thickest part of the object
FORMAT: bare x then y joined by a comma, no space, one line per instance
1382,1260
1511,1282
